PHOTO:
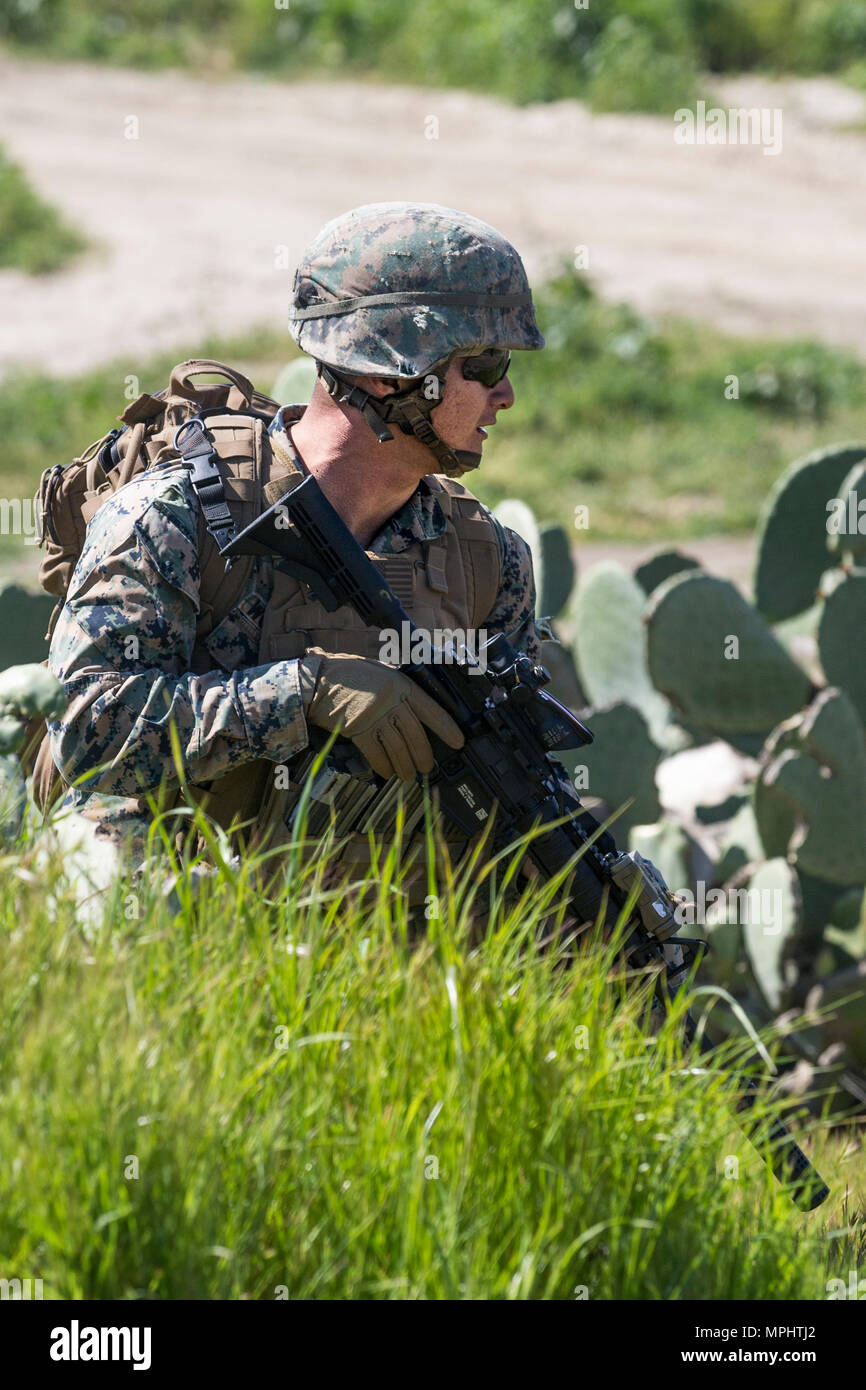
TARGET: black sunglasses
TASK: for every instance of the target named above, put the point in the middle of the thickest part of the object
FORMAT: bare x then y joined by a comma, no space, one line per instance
487,367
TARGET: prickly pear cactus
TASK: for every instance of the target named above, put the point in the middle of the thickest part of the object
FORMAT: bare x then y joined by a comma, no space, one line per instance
842,633
792,531
564,684
768,910
619,766
29,690
518,517
846,935
717,812
11,734
26,693
295,383
739,845
12,797
774,817
724,964
661,566
716,659
609,647
799,636
811,791
24,618
819,899
556,578
843,995
846,523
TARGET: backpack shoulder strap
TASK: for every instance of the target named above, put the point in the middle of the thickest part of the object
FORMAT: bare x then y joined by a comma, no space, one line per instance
198,452
245,471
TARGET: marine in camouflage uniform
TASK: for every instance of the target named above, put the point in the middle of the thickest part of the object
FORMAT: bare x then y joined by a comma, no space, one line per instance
390,291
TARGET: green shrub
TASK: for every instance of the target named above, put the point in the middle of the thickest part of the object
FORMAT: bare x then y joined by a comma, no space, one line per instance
623,55
33,237
629,73
827,35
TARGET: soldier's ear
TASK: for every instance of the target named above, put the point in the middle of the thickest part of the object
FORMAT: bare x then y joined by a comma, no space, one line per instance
378,386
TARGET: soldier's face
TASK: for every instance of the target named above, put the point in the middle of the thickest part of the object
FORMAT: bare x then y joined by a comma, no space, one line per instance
467,408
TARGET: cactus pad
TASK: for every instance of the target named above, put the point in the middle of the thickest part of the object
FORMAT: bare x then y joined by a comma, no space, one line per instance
564,684
295,383
848,930
769,918
774,818
661,566
812,791
24,618
30,690
820,900
555,577
620,764
718,812
717,660
792,531
841,634
844,993
11,734
26,693
520,518
12,797
609,646
739,845
847,528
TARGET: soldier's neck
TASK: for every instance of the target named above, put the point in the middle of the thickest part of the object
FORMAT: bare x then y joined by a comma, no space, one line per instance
365,481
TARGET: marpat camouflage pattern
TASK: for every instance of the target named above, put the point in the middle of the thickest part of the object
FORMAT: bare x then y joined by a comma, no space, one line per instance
124,640
427,256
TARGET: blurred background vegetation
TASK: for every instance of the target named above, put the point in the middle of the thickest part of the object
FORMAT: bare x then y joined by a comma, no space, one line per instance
626,416
620,55
622,415
33,236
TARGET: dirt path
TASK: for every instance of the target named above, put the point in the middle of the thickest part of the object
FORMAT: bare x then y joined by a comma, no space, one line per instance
188,215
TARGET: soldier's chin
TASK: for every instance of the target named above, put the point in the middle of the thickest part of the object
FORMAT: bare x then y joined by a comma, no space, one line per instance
467,459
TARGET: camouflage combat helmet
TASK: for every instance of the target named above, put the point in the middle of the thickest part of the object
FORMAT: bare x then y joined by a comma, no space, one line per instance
395,290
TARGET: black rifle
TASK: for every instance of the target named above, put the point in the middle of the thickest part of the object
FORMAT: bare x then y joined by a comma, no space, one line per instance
512,727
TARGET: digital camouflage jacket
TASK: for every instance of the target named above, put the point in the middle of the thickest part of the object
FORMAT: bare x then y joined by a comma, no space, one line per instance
123,644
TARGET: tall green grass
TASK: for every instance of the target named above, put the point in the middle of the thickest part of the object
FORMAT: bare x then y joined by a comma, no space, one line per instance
234,1093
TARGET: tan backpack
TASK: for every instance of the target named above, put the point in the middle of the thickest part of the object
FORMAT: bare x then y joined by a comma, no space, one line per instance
231,484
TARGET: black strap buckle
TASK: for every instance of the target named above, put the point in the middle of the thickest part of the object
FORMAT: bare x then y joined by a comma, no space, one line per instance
108,455
198,454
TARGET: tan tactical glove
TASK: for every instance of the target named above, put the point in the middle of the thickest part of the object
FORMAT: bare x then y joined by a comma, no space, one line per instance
379,709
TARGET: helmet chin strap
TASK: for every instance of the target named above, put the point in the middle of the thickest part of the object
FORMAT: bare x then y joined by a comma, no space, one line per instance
410,410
